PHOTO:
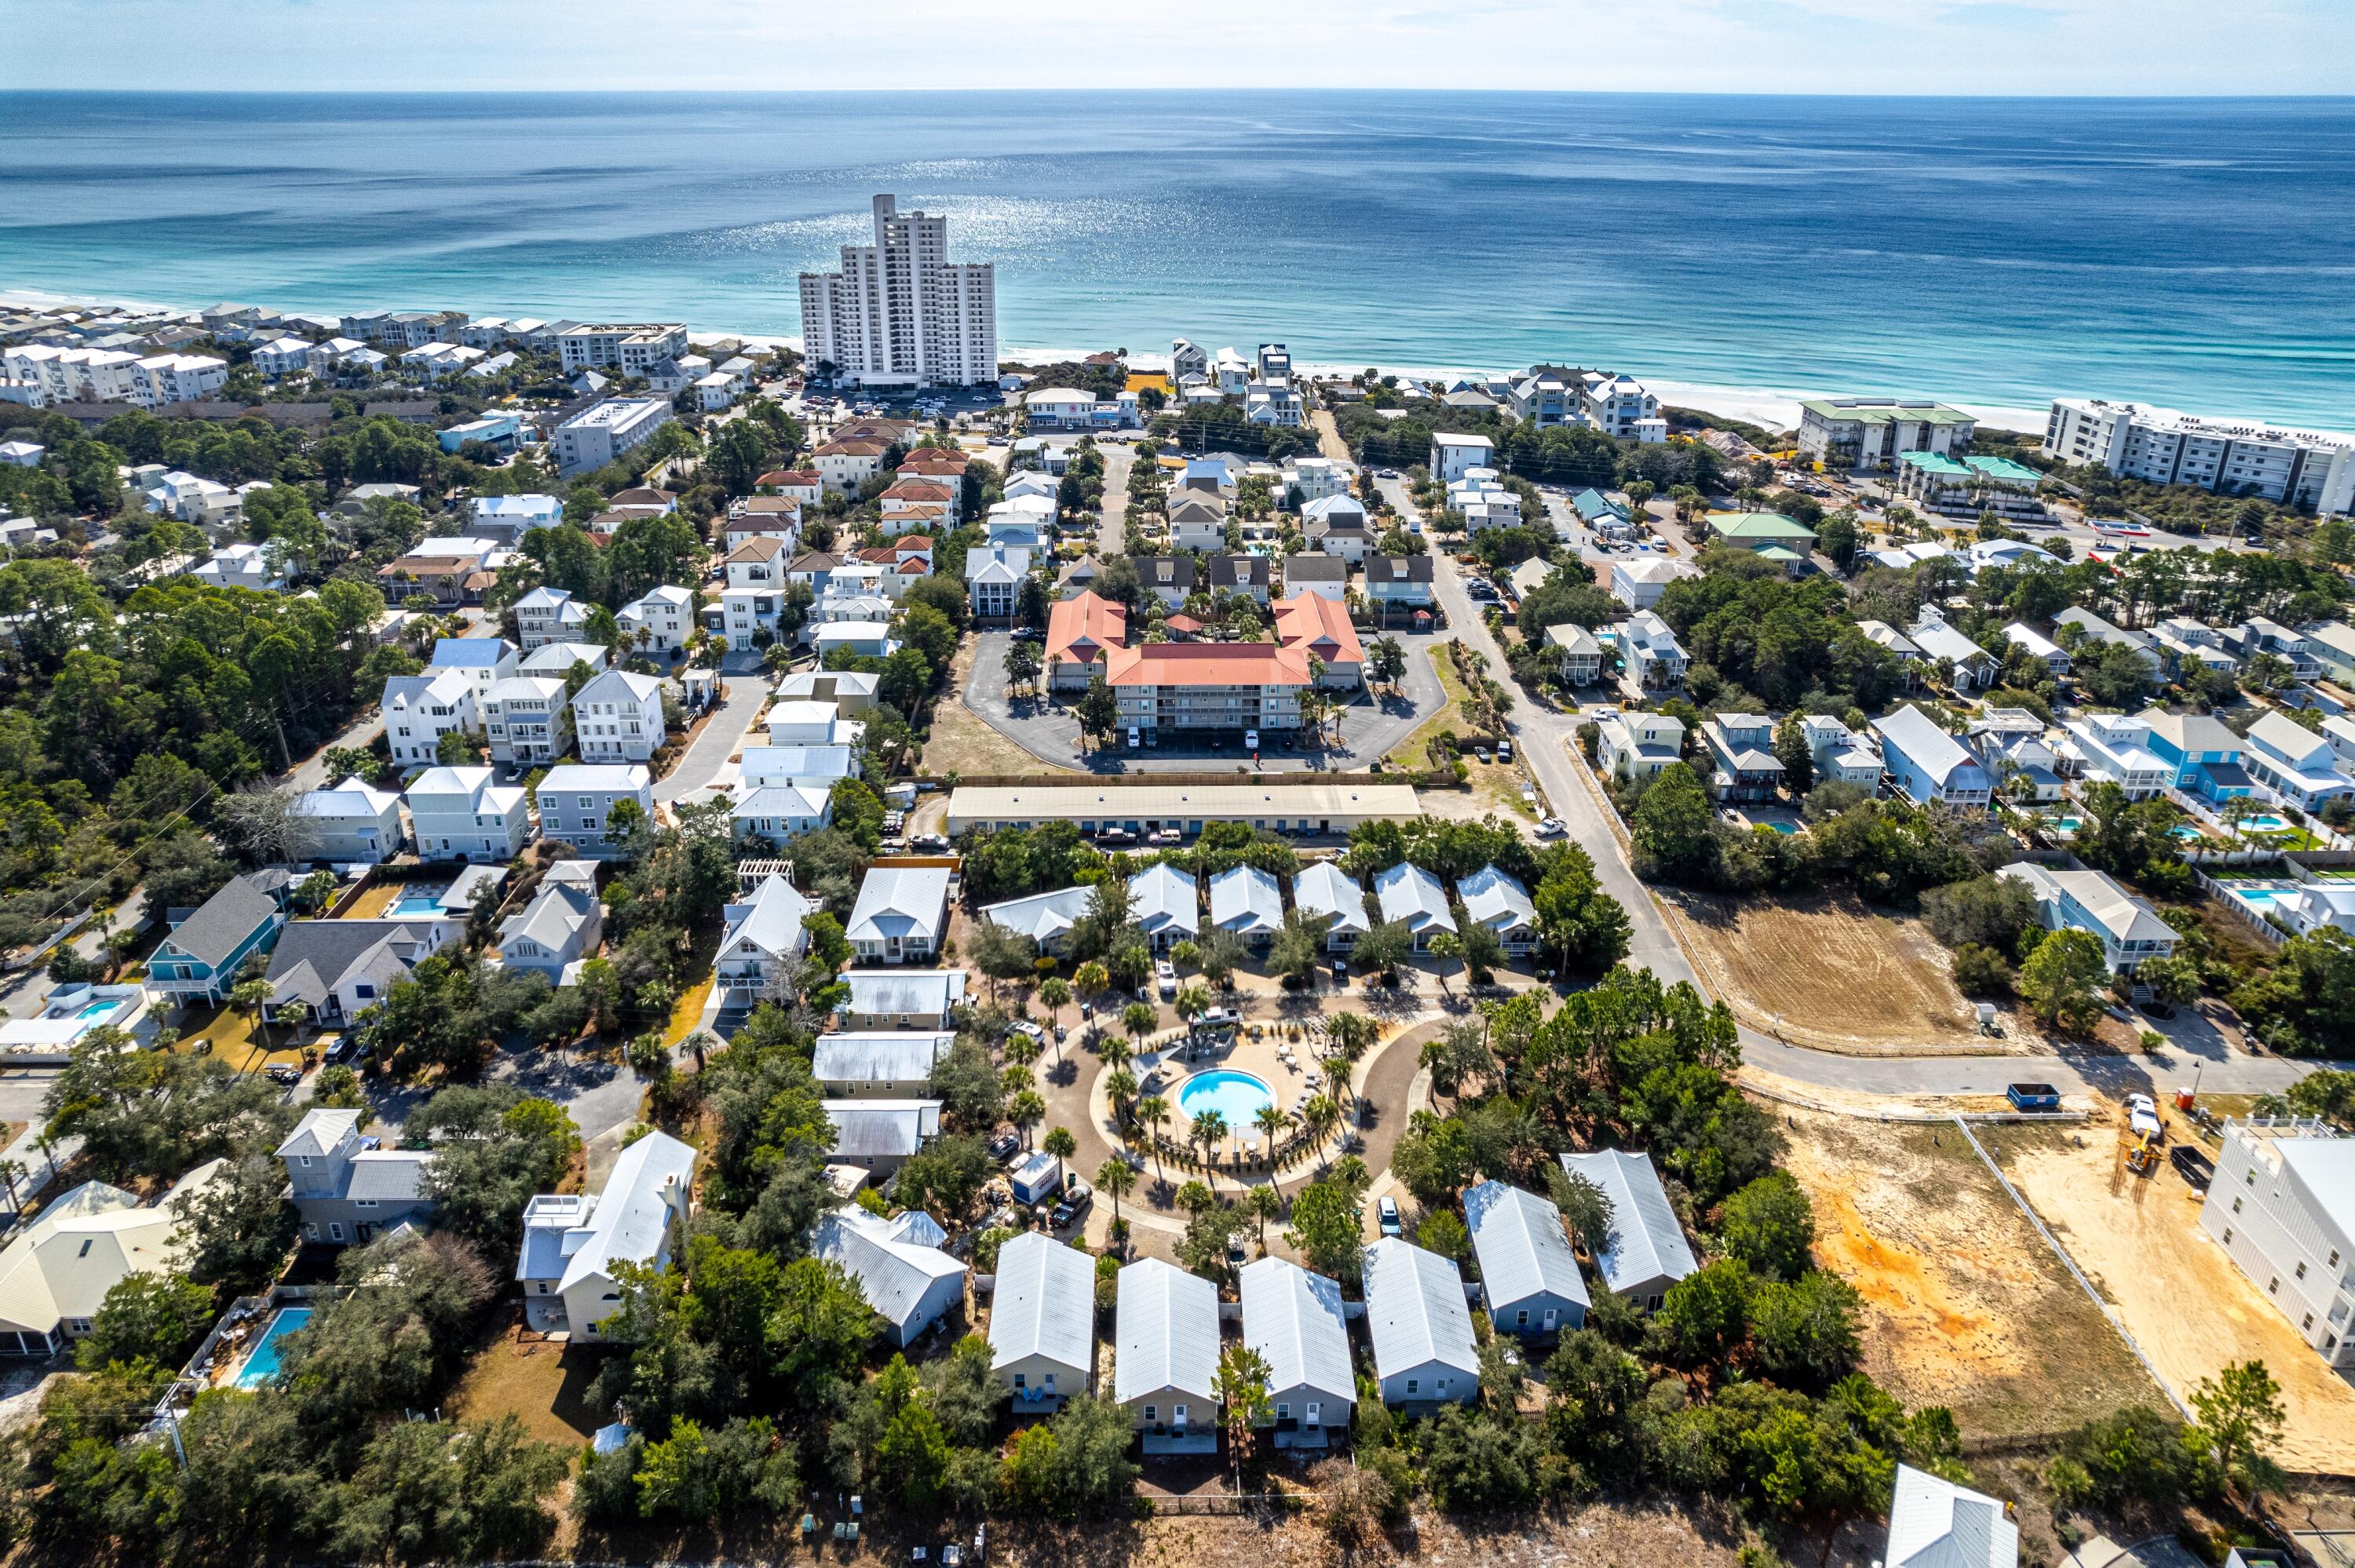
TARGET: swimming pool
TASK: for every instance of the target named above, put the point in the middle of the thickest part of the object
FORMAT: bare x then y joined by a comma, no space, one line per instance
2257,898
415,904
261,1365
2265,824
1779,827
1238,1096
98,1010
2067,824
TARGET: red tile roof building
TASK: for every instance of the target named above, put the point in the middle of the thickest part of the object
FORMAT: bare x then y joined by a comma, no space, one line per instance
1081,635
1209,686
1314,624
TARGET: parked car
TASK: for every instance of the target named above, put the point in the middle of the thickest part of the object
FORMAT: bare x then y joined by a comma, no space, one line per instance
1005,1147
1390,1216
1550,826
937,842
1115,836
1166,973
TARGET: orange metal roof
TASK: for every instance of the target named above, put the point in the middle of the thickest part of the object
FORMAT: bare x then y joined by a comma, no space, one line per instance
1208,664
1308,620
1081,630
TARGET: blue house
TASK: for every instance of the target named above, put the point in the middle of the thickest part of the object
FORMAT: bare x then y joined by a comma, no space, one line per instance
200,961
1593,506
2205,755
1925,764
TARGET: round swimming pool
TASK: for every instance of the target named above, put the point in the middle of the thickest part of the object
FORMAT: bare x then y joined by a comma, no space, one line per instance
1238,1096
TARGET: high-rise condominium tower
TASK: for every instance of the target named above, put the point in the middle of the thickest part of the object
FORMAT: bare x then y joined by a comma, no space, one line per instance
900,314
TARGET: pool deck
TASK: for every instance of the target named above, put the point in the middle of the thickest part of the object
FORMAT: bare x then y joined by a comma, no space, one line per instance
1263,1059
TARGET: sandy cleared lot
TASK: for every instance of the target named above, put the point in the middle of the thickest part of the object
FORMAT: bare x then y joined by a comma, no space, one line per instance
1831,972
961,741
2138,1239
1964,1304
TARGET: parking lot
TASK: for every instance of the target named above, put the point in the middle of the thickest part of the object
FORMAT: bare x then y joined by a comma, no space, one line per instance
1374,722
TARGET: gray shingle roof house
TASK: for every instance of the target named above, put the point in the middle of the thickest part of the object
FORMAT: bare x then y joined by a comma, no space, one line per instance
1042,1322
1647,1251
199,958
1528,1275
347,1189
1295,1320
1423,1350
335,967
1168,1340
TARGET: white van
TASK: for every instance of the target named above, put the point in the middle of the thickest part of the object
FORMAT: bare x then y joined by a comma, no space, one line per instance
1133,740
1251,740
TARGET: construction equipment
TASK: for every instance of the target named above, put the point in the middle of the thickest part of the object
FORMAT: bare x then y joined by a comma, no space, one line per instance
2149,1134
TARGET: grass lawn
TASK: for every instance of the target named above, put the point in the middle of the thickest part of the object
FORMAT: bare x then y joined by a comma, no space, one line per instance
544,1383
1411,753
235,1039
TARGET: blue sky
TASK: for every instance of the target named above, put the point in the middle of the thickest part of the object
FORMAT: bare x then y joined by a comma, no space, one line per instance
2041,46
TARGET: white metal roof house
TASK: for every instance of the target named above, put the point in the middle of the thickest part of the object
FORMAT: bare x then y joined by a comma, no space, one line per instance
2130,930
1408,893
888,1063
2283,1207
1499,902
352,823
1168,1356
1166,904
1926,764
879,1135
898,1263
1528,1275
1249,903
1323,890
900,914
1423,1352
1648,1251
1046,918
900,999
1042,1322
1295,1321
764,939
571,1241
57,1271
1933,1523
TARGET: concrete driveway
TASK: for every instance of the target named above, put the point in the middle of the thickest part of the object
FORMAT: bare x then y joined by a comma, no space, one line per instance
747,693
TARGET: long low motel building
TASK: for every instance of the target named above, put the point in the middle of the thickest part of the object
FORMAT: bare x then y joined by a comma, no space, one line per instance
1143,809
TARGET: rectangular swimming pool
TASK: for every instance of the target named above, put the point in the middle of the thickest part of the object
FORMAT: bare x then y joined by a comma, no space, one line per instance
413,905
262,1363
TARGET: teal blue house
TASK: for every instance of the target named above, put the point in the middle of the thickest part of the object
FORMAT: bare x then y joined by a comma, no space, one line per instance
200,961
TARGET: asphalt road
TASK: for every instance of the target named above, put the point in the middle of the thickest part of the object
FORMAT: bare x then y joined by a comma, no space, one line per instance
747,694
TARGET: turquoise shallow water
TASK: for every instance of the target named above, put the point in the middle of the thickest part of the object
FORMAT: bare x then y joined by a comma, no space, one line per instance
1996,250
261,1364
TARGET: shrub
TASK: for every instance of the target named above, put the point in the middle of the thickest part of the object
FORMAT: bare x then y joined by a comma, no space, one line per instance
1982,971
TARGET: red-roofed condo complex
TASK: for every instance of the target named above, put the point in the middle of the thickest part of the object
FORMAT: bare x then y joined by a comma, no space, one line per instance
1202,688
1314,624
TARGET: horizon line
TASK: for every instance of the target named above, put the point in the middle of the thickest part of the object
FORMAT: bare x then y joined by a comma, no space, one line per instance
1237,90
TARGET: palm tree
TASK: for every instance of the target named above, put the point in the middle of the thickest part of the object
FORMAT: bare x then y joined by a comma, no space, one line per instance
701,1041
1197,1199
1264,1203
1446,946
1121,1087
1016,1080
1207,1131
1152,1111
10,1170
1059,1143
294,1014
250,997
1115,1051
1091,979
1193,1003
1320,1116
1026,1112
1271,1121
1054,995
1116,1177
1138,1018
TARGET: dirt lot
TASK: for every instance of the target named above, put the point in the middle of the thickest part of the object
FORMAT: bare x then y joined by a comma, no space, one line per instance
546,1384
961,741
1835,972
2138,1239
1963,1305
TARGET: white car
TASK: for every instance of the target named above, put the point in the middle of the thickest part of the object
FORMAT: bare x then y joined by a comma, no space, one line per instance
1551,826
1166,973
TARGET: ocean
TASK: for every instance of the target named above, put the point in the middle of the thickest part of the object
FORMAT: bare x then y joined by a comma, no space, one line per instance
1990,251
